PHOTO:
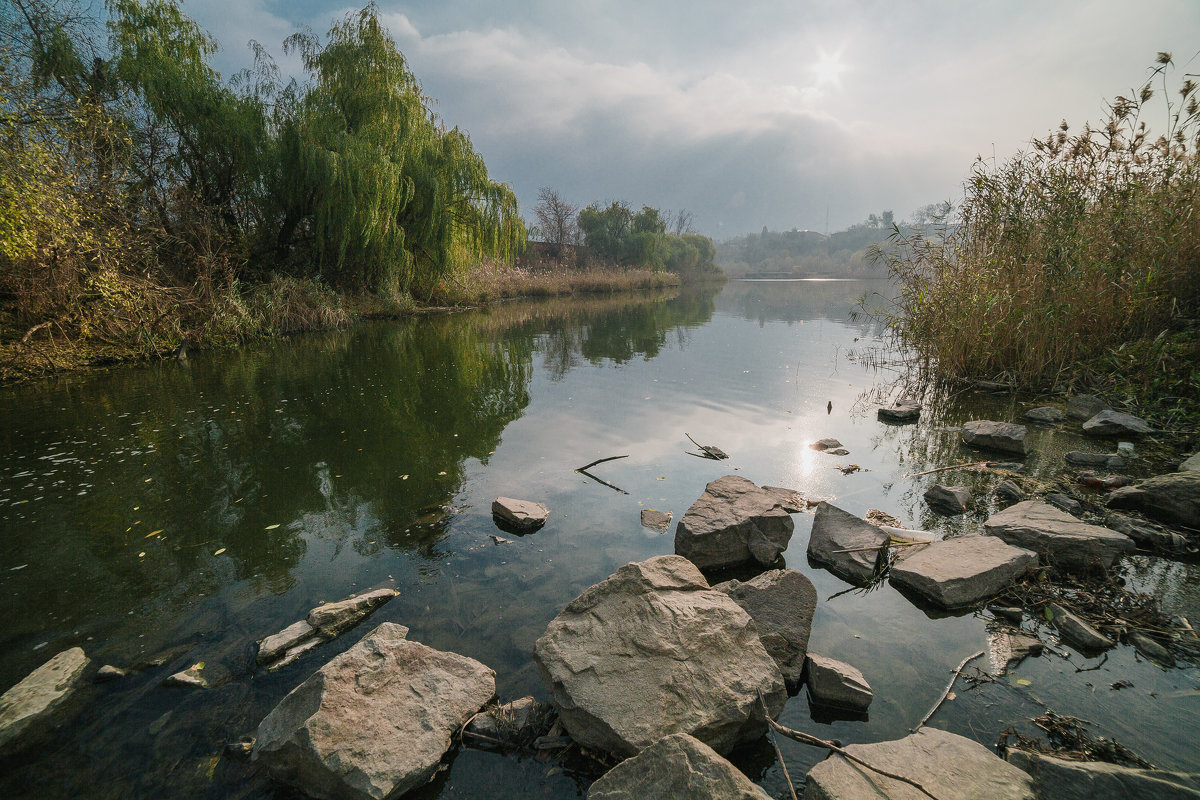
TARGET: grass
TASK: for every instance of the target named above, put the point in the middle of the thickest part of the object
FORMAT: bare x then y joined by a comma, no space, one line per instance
488,281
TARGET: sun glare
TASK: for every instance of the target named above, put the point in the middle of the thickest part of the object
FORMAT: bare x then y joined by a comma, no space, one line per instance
829,68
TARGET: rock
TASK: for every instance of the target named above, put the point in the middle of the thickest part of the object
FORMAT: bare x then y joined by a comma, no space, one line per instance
652,650
836,530
108,673
1116,423
1011,613
1048,414
294,653
1065,503
1173,498
1111,461
1103,483
333,619
1010,492
1085,406
950,500
1006,437
947,765
241,749
781,602
732,523
676,766
274,646
1077,632
375,721
962,571
1063,779
1007,466
509,723
28,706
499,540
1147,535
900,411
522,515
882,518
789,499
1008,647
1150,648
839,451
1057,537
190,678
825,444
656,519
836,684
1191,464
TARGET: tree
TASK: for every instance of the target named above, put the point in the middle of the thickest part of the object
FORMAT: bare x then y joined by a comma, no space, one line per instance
556,222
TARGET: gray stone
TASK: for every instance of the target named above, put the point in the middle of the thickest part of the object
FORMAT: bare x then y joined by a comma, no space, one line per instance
1085,406
656,519
733,522
1146,534
274,646
781,602
950,500
1116,423
524,515
900,411
652,650
1111,461
1065,503
1006,437
190,678
1062,779
825,444
789,499
839,451
1057,537
836,684
1076,632
27,707
1048,414
834,532
1008,647
1191,464
108,673
674,767
1172,498
962,571
1150,648
333,619
1126,450
947,765
375,721
507,723
1010,492
294,653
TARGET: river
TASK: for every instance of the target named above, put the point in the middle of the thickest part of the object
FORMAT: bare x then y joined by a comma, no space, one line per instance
167,514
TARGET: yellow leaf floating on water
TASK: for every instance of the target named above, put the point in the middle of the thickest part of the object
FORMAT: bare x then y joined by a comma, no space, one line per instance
222,550
198,665
142,554
1023,682
154,533
951,696
272,527
403,477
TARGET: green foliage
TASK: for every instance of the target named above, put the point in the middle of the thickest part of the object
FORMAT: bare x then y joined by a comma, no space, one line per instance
619,236
802,252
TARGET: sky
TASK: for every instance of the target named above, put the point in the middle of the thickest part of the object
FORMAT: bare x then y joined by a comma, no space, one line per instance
807,114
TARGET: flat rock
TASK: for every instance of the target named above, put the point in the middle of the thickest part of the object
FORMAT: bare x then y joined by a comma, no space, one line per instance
825,444
1010,492
1057,537
836,530
1116,423
523,515
1191,464
1149,647
108,673
28,706
1173,498
1062,779
947,765
375,721
836,684
963,571
781,602
733,522
1085,406
1006,437
789,499
333,619
1075,631
652,650
1065,503
1008,647
950,500
508,723
900,411
656,519
1146,534
838,451
1048,414
674,767
1079,458
274,646
190,678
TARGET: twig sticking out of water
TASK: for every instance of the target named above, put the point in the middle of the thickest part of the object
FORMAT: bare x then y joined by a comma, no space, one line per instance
598,461
946,691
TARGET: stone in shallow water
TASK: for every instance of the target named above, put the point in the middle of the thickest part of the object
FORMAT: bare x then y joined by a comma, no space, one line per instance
1116,423
1006,437
950,500
825,444
1061,779
1048,414
1172,498
781,602
836,684
1075,631
1085,406
674,767
1010,492
1057,537
1008,647
900,411
274,646
733,522
523,515
1111,461
960,572
847,546
656,519
28,706
789,500
333,619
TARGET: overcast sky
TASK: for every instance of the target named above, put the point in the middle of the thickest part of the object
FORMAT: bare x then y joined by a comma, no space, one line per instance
751,113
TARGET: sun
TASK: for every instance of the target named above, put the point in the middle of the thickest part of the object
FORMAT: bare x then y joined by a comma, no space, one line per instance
828,69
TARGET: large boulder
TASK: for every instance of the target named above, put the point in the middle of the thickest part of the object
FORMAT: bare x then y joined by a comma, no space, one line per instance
375,721
1056,536
1063,779
963,571
1006,437
676,766
1172,498
947,765
1116,423
26,707
732,523
846,545
781,602
652,650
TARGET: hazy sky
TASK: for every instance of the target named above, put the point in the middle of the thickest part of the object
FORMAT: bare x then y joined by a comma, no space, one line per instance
751,113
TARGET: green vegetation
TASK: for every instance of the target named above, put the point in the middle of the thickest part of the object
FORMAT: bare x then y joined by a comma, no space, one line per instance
1077,262
807,253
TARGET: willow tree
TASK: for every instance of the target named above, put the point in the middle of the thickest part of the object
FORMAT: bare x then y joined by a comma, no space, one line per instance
391,199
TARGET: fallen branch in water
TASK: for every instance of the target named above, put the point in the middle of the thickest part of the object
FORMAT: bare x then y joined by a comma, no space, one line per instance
879,547
598,461
599,480
952,466
707,450
946,691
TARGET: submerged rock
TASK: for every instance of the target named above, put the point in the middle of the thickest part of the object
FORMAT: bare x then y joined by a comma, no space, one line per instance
1111,461
1048,414
523,515
1116,423
947,765
789,499
652,650
375,721
1150,648
676,766
781,602
963,571
1147,535
836,684
1085,406
1075,631
1172,498
656,519
1010,492
1065,503
274,646
900,411
1057,537
1063,779
1006,437
825,444
733,522
108,673
28,706
949,500
1008,647
847,546
190,678
322,623
510,723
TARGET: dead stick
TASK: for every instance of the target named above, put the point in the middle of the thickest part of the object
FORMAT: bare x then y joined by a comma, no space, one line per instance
598,461
693,441
598,480
952,466
783,766
809,739
946,692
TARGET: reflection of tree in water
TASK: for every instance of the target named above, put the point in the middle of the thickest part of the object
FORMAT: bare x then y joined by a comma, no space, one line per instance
795,301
